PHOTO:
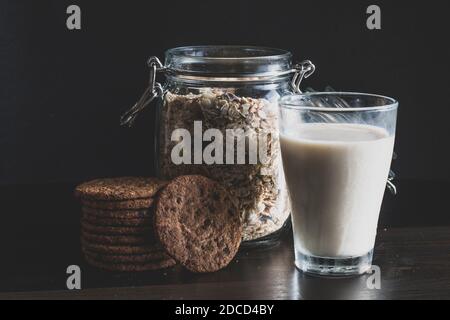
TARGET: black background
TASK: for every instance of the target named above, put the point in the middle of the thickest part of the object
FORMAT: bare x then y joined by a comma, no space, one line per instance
62,92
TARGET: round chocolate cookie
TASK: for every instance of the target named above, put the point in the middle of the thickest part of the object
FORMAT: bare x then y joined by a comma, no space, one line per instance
119,231
136,204
198,223
96,221
135,258
119,250
116,240
118,214
132,267
116,189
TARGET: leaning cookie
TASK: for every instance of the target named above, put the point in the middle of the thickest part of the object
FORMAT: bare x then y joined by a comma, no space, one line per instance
119,189
198,223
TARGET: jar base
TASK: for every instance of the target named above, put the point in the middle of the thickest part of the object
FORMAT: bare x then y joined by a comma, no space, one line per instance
268,241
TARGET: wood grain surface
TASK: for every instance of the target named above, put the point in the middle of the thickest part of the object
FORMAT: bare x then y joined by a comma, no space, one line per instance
414,263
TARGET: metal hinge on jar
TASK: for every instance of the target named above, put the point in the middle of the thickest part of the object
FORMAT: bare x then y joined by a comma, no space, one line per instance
153,91
303,70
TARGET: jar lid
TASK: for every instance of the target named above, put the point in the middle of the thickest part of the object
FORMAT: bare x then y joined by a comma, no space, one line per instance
230,62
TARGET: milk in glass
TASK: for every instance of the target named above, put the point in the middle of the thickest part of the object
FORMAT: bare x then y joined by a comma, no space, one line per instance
336,175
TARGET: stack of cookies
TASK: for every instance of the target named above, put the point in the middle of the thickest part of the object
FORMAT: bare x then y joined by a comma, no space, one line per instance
117,231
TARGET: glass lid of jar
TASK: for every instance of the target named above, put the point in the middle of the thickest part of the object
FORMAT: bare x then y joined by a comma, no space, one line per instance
230,62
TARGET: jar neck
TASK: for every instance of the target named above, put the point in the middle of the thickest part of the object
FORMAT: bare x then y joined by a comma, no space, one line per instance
228,81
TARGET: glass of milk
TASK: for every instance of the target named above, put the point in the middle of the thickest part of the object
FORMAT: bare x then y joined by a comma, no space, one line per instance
337,150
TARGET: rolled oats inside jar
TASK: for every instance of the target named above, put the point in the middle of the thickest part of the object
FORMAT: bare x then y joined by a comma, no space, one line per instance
259,188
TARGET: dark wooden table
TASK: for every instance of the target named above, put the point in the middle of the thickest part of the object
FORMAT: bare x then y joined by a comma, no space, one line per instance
414,263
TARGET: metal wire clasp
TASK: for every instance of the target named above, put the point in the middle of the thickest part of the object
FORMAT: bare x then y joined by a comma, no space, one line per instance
153,91
390,183
302,71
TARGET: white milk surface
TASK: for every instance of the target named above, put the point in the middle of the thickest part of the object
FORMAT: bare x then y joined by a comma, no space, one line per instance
336,175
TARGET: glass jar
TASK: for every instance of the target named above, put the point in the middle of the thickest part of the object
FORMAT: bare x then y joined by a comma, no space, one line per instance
218,117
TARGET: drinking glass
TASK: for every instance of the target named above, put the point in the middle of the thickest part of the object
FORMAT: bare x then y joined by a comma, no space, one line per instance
337,149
